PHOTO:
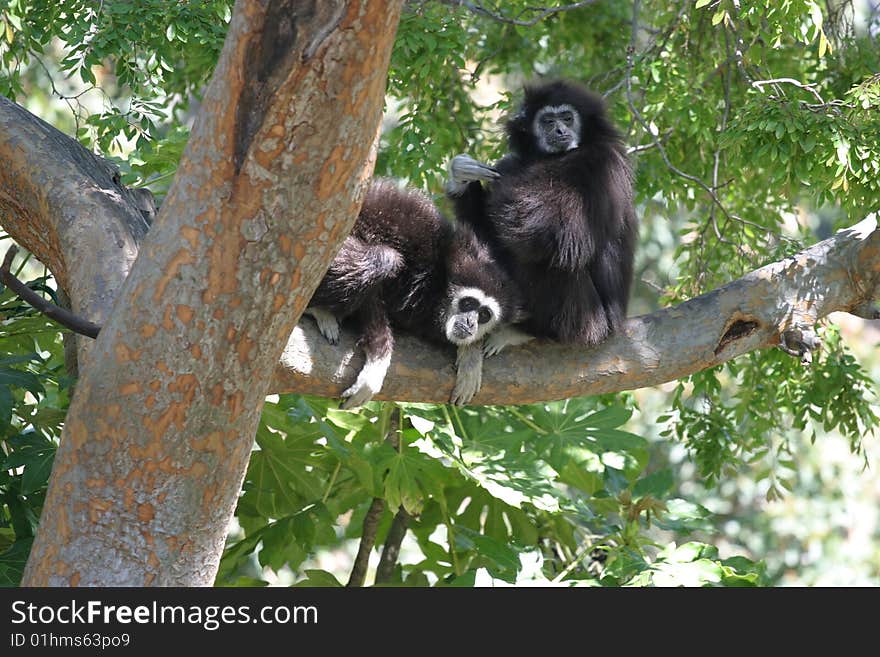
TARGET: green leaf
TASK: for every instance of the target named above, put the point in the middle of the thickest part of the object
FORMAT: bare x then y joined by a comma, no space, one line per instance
700,572
281,477
37,470
20,358
286,542
315,577
656,484
12,562
467,579
7,403
19,379
412,477
501,560
684,516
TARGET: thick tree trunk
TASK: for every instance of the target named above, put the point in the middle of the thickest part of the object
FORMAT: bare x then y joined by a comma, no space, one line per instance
159,432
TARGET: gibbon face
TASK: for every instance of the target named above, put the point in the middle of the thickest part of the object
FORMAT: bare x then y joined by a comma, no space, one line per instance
470,315
557,128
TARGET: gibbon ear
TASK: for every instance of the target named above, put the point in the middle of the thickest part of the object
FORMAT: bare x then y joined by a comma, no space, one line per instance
517,123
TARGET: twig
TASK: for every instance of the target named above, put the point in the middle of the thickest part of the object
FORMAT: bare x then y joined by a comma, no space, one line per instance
368,540
59,314
377,507
543,12
391,549
573,563
760,84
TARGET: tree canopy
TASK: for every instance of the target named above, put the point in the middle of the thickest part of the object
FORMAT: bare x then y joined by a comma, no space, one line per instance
756,133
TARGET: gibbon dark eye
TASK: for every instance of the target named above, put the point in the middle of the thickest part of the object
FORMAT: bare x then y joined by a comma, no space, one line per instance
467,304
568,118
484,315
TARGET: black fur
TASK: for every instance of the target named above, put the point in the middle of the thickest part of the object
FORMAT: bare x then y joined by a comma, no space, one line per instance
399,267
563,225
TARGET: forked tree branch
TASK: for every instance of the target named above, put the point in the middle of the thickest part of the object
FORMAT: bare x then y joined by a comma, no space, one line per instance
69,208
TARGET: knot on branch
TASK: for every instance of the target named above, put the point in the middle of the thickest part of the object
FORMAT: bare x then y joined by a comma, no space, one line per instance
800,340
739,327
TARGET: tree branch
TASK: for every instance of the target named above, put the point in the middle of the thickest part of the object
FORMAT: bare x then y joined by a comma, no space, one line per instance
753,312
390,419
776,305
368,540
391,549
68,207
540,13
59,314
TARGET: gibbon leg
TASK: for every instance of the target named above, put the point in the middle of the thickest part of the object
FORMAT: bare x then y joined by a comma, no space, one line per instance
378,343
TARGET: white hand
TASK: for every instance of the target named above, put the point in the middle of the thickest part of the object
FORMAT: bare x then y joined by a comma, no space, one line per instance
368,383
504,336
463,170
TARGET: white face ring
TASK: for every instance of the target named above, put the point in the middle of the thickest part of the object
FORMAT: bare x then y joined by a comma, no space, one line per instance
484,300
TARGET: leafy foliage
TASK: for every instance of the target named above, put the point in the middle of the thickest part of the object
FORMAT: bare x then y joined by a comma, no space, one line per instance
128,71
33,400
725,415
490,491
755,129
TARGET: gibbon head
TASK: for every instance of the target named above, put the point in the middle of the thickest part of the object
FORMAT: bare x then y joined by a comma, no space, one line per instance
470,314
557,117
557,128
479,294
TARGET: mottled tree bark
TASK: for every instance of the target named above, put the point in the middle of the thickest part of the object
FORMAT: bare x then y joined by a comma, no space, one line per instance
67,207
158,435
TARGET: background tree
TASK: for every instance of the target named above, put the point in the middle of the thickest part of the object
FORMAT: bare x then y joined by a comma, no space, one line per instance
755,132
